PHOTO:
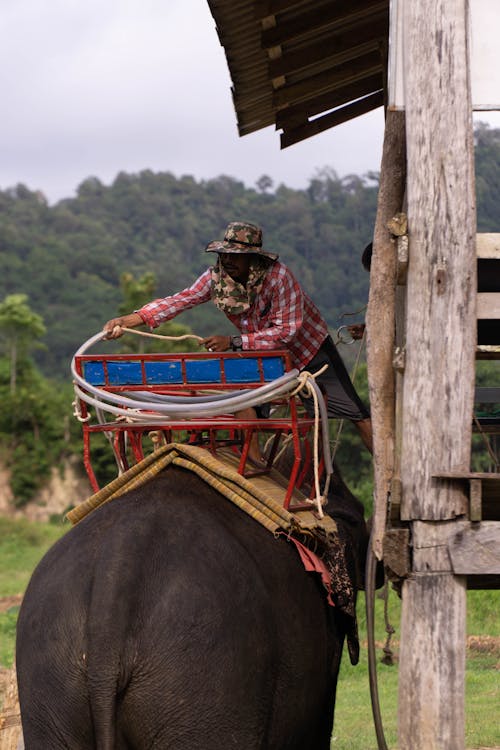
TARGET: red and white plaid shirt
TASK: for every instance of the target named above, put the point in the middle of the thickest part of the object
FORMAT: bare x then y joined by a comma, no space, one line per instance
282,317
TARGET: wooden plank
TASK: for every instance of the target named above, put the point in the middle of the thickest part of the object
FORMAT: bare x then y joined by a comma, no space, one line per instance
343,114
265,8
329,80
397,551
476,550
476,500
465,474
488,494
342,13
298,114
430,545
336,47
381,319
488,245
488,306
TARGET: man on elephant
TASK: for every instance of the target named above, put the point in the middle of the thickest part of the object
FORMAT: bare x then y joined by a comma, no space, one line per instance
265,302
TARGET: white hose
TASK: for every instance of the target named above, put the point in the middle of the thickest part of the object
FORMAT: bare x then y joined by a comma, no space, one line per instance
136,406
171,407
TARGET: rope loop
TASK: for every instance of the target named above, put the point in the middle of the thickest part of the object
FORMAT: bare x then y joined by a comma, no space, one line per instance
77,412
307,388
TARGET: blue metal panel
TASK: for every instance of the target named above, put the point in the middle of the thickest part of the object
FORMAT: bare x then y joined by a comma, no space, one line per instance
273,367
124,373
93,372
163,372
245,370
240,370
203,371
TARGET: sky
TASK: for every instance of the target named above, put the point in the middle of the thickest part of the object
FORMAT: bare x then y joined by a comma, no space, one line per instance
94,87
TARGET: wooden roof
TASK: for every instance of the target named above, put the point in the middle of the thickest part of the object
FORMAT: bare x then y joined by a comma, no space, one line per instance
303,65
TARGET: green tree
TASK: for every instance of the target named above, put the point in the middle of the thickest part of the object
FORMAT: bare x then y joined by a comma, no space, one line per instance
20,328
136,292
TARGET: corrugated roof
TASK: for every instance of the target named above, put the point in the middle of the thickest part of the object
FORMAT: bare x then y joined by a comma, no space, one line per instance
303,66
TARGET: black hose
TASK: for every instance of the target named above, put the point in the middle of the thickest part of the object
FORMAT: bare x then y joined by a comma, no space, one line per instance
370,578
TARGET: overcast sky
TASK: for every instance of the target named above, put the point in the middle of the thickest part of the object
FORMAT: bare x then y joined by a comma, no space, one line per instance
95,87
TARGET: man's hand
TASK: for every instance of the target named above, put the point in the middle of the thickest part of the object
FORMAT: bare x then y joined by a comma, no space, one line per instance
216,343
113,328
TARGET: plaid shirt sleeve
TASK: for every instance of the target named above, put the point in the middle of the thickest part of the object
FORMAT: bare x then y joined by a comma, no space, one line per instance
285,316
161,310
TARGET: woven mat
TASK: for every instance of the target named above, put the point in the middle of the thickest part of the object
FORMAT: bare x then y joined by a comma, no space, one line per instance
261,496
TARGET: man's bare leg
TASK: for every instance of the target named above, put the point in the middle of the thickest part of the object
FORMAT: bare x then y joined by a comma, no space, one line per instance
254,453
364,427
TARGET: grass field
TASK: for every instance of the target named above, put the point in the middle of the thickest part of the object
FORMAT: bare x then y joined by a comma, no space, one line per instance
23,543
354,728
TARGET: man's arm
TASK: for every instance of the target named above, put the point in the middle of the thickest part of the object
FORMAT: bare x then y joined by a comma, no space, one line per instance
114,327
161,310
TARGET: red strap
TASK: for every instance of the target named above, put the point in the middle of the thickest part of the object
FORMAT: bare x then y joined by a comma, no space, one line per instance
312,563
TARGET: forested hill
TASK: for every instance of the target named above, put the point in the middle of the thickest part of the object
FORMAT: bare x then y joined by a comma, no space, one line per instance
69,258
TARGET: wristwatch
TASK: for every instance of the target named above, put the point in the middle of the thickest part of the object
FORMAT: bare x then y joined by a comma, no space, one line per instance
236,343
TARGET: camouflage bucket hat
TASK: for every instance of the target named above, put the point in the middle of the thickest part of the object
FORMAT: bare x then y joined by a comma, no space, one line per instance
240,237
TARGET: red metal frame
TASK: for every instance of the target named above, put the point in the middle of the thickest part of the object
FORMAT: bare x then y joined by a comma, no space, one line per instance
133,433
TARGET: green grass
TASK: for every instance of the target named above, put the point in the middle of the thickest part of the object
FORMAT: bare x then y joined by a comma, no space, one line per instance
354,728
7,636
22,544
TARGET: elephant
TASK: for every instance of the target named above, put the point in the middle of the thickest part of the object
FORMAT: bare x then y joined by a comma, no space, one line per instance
168,619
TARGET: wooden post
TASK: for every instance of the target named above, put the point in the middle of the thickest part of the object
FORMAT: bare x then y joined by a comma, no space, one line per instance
380,318
439,367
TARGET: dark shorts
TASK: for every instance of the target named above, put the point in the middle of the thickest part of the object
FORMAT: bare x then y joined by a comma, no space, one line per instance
343,401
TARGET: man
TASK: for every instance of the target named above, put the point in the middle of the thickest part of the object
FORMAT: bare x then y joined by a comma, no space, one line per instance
262,298
357,330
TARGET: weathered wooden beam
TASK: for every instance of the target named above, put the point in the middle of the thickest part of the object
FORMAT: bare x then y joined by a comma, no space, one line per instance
430,716
488,306
438,387
335,47
397,552
488,245
430,544
476,500
441,309
484,491
329,80
461,547
476,550
265,8
298,114
342,13
343,114
381,319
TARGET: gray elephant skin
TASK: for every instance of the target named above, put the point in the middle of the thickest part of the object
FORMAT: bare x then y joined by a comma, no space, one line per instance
167,619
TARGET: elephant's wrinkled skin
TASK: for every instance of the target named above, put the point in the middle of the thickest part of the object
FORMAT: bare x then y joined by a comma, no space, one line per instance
169,619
